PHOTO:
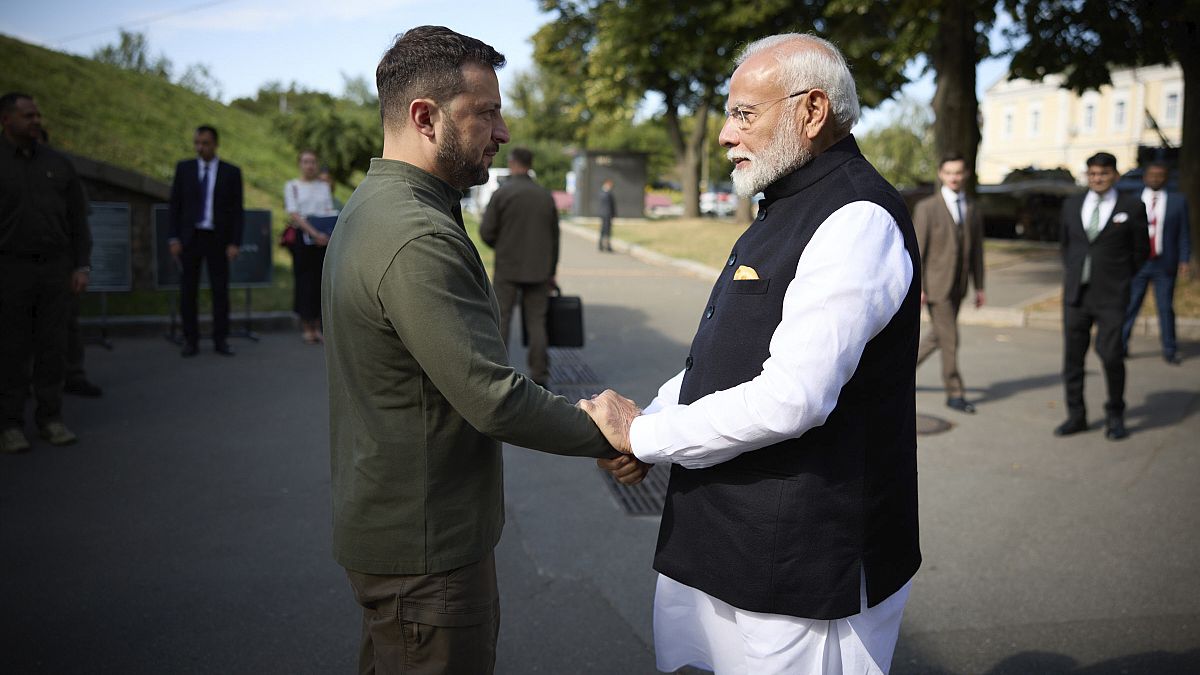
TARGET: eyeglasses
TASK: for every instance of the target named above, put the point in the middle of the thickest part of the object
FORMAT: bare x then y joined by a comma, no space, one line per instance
744,116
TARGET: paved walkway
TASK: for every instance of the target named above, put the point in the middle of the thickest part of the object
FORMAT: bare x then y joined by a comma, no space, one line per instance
189,531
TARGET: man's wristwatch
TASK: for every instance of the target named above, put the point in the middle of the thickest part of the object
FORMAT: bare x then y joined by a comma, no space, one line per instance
86,269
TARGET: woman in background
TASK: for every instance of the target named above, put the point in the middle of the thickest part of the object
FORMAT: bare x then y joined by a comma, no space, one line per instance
305,197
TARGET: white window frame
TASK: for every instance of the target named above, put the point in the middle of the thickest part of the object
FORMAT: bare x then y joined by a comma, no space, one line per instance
1035,120
1172,120
1120,117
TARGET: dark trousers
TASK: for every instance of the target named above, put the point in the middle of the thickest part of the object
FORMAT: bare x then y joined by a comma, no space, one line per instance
943,335
34,307
1077,334
429,623
307,262
1164,300
204,249
74,372
605,233
534,303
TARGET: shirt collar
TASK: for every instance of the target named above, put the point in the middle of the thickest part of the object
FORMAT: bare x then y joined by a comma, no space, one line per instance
950,195
1110,195
16,150
447,194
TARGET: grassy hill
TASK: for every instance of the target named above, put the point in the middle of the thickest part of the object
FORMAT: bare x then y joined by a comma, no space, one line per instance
142,122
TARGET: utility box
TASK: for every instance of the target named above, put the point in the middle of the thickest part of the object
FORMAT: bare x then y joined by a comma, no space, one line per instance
627,171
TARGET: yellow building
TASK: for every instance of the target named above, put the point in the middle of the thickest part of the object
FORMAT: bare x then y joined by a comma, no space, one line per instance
1041,125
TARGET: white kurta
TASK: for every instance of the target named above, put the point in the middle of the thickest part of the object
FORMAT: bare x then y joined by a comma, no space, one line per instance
849,283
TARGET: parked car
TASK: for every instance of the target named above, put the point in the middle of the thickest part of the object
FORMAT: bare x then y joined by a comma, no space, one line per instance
718,204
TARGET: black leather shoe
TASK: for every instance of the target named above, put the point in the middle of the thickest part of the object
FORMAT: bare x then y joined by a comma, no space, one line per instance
189,349
1173,360
1071,426
82,387
1114,428
224,349
960,404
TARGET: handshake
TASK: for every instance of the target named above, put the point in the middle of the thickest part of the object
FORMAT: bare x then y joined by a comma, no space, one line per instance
614,415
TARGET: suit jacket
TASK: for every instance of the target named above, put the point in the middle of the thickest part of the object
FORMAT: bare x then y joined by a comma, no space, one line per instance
950,255
521,223
1176,235
1117,252
608,204
187,203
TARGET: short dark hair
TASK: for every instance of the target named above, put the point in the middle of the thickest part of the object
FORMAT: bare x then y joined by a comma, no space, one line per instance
1104,159
426,62
210,129
951,157
9,101
522,156
1159,164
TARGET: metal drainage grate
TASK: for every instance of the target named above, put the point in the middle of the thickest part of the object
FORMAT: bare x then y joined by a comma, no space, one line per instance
568,367
644,499
927,425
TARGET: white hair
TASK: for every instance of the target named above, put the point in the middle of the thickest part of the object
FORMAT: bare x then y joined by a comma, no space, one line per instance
820,67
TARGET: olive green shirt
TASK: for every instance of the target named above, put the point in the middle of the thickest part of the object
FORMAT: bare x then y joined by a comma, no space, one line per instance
420,393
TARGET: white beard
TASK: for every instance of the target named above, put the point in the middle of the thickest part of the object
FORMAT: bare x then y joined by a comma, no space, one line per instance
783,154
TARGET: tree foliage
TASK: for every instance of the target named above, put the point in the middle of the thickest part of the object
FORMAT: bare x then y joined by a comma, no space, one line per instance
903,149
132,52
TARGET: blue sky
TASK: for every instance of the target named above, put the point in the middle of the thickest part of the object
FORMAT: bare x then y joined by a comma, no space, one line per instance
246,43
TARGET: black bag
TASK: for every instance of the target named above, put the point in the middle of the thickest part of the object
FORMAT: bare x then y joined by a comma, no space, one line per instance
564,320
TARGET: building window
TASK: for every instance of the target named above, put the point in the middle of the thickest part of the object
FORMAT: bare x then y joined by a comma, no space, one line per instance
1008,123
1119,115
1171,109
1089,117
1035,122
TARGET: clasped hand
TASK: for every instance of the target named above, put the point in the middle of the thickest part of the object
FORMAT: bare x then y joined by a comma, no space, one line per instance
614,415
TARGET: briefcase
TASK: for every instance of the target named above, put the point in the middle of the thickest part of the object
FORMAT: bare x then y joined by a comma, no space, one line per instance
564,321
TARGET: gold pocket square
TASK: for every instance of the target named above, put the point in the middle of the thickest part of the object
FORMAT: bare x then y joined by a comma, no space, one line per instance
744,273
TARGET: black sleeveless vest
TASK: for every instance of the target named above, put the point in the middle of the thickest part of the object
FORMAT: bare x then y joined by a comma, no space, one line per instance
787,529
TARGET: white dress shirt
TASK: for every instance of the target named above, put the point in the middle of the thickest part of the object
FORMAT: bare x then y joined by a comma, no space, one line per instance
209,171
849,283
953,200
1108,202
1157,215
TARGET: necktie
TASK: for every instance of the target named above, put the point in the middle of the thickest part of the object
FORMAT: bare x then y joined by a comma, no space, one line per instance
1153,223
1093,229
959,203
204,173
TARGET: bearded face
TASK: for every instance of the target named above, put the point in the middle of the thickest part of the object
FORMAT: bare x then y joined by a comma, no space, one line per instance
782,154
462,166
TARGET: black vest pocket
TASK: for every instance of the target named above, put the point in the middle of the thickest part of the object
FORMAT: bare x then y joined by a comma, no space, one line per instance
749,286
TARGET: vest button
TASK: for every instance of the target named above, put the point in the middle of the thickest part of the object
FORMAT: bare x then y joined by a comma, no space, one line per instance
708,312
687,365
732,259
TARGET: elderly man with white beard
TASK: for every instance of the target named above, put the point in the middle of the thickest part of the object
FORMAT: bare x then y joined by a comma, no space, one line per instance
789,536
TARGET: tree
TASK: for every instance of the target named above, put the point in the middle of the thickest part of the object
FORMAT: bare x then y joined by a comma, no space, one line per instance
132,52
199,79
952,38
903,150
611,55
1084,40
344,136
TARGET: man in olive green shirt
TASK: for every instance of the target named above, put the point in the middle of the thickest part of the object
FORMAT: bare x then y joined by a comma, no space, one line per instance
420,392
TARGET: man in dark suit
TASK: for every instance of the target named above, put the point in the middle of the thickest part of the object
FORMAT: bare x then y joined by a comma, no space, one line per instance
521,223
608,210
205,227
1104,242
1170,251
950,234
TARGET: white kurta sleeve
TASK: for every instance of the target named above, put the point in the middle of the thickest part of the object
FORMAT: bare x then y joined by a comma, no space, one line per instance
849,283
668,394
